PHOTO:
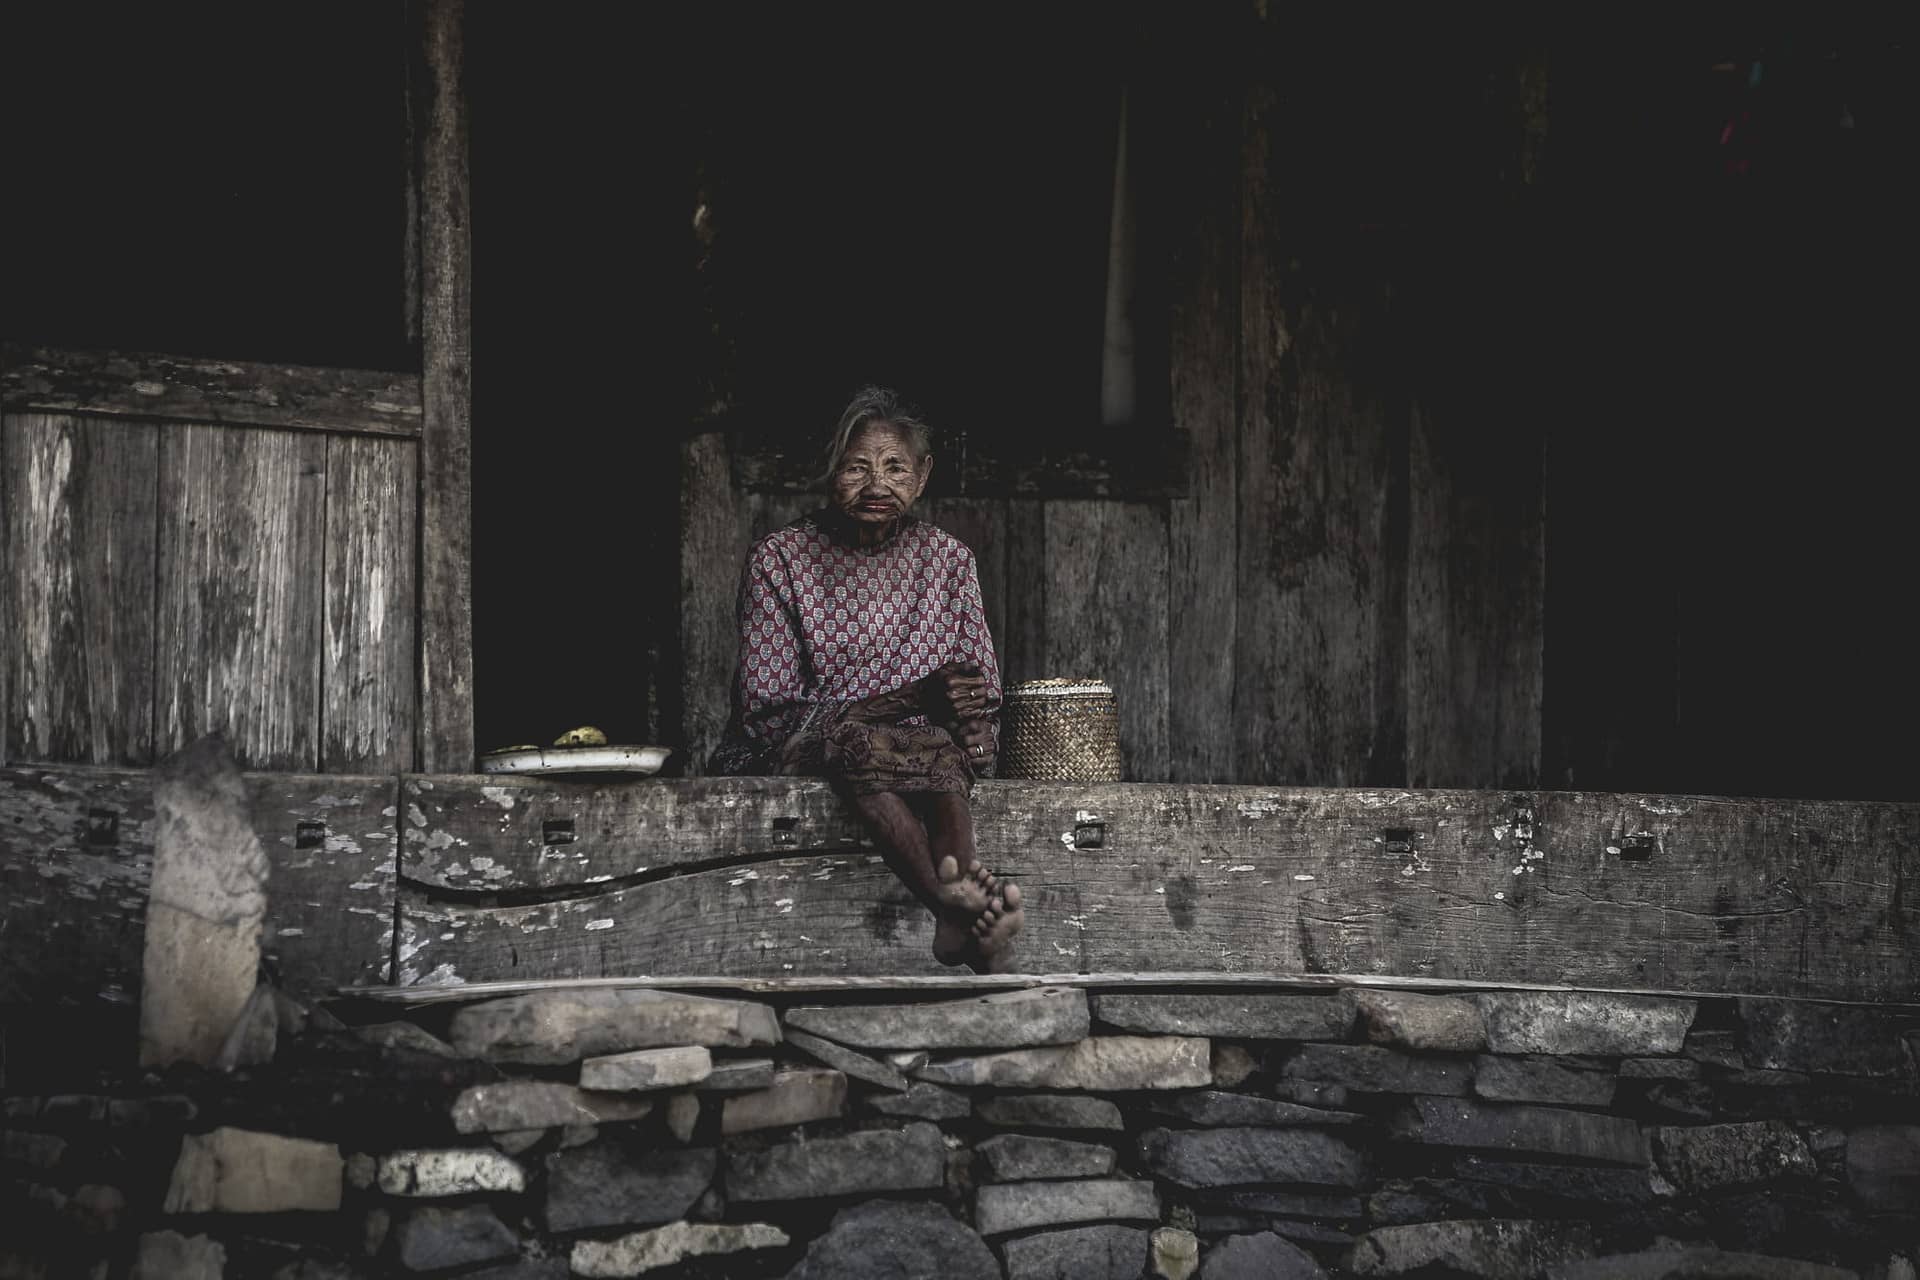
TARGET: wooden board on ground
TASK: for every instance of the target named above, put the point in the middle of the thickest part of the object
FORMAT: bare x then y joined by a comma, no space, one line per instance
767,877
76,855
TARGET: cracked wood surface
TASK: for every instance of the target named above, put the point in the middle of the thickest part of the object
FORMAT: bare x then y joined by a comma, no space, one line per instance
76,856
509,879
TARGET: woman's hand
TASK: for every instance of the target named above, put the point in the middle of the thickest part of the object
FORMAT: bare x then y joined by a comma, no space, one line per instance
976,740
956,693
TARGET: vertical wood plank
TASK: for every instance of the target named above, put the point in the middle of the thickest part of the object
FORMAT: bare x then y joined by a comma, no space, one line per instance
714,526
1312,478
78,493
1476,571
446,440
1106,595
1023,653
240,570
1203,527
366,678
981,523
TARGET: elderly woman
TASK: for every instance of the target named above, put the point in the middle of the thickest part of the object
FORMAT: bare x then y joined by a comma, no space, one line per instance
865,659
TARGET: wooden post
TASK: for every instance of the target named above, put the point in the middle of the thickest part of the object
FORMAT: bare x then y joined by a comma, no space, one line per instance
446,442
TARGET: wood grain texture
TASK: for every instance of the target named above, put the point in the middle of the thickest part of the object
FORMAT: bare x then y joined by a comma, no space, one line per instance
1203,528
1106,601
1313,467
981,523
193,389
446,441
368,699
76,856
78,499
714,527
1476,592
1023,655
240,570
1648,892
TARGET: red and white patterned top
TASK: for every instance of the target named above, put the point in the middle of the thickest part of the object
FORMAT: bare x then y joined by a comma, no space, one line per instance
824,623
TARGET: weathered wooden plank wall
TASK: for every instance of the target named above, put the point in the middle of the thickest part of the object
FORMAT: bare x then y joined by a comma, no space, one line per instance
1349,590
165,579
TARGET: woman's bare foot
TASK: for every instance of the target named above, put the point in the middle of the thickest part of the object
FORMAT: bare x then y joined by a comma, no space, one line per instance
963,893
994,931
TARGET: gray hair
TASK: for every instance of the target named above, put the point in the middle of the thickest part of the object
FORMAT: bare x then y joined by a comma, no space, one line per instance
884,406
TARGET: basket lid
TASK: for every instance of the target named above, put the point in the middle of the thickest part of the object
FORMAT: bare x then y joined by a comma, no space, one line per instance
1060,687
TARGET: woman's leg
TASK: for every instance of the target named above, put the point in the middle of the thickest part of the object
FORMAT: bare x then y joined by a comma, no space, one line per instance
901,837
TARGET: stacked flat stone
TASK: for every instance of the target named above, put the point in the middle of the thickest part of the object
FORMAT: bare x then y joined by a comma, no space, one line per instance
1043,1132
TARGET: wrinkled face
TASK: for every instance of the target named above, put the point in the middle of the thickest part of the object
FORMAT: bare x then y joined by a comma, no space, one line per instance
878,477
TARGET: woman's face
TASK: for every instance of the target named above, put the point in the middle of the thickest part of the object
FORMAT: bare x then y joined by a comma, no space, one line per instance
878,477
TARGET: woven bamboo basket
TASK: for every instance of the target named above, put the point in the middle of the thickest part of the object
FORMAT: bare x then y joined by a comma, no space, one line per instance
1060,731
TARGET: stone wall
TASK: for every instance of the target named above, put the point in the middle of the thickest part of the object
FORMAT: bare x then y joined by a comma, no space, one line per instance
1046,1132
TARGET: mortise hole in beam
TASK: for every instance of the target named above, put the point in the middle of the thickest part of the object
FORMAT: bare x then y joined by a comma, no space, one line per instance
1398,839
1638,848
557,831
309,834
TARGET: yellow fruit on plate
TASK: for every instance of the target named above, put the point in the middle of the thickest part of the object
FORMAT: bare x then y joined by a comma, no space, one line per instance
585,736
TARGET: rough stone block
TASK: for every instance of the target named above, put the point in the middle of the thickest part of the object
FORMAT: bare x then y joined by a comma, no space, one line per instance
1260,1256
240,1171
35,1150
1232,1064
1174,1254
644,1251
1714,1046
1020,1157
1103,1062
1372,1069
1572,1183
1049,1111
1687,1099
1444,1024
207,900
1234,1157
1311,1093
1659,1069
1247,1016
540,1104
1883,1166
795,1097
1456,1122
840,1058
883,1238
568,1025
1108,1252
645,1069
606,1185
458,1172
1003,1207
738,1075
1503,1079
1584,1022
168,1255
683,1115
1499,1249
1800,1035
1003,1020
440,1239
406,1037
1288,1204
1207,1106
162,1111
1683,1262
922,1101
873,1161
1706,1157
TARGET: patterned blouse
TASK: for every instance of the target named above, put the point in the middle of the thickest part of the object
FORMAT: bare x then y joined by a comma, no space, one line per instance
824,623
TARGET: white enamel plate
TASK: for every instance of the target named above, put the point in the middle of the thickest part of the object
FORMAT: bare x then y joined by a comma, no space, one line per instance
638,761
